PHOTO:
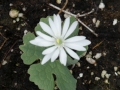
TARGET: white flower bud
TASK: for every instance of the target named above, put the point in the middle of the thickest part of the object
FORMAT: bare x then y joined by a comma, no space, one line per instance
13,13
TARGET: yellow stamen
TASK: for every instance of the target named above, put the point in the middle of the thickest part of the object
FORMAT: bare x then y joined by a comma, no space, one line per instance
58,41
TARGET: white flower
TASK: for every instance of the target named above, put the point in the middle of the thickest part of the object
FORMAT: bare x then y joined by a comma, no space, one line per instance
57,41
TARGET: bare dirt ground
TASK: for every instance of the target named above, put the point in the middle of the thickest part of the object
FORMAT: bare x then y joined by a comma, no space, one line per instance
13,75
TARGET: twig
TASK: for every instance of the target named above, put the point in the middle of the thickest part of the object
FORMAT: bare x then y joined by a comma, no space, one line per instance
76,16
63,7
98,44
9,50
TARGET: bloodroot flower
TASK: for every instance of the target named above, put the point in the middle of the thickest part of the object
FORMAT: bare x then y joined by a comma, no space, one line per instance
57,40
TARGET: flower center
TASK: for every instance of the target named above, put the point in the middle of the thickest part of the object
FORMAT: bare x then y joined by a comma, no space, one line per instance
59,41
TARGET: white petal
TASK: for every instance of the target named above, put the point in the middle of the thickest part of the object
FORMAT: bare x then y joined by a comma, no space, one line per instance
71,29
46,58
63,57
55,55
75,38
35,41
75,46
59,20
38,41
72,53
46,37
53,27
46,28
56,22
83,43
65,26
49,50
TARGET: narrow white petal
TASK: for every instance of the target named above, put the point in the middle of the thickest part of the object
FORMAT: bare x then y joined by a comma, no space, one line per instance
75,46
46,58
72,53
46,28
71,29
56,22
75,38
59,20
65,26
49,50
63,57
35,41
46,37
83,42
55,55
38,41
53,27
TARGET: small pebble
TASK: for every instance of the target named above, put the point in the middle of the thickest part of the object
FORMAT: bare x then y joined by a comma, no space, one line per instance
101,5
24,9
17,19
116,73
10,4
97,78
114,21
58,1
92,73
90,60
13,13
94,20
78,64
11,50
81,75
71,71
4,62
20,15
97,23
73,5
107,75
106,81
14,21
104,72
44,10
98,55
115,69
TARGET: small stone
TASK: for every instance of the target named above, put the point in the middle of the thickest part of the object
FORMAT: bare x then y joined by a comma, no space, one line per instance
107,75
73,5
78,64
10,4
97,78
17,19
98,55
115,69
11,50
94,20
104,72
20,15
81,75
58,1
90,60
114,21
24,9
101,5
14,21
97,23
116,73
88,67
13,13
4,62
71,71
106,81
92,73
44,10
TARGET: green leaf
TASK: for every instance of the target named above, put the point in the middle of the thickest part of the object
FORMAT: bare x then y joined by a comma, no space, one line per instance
81,53
42,75
30,52
70,61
